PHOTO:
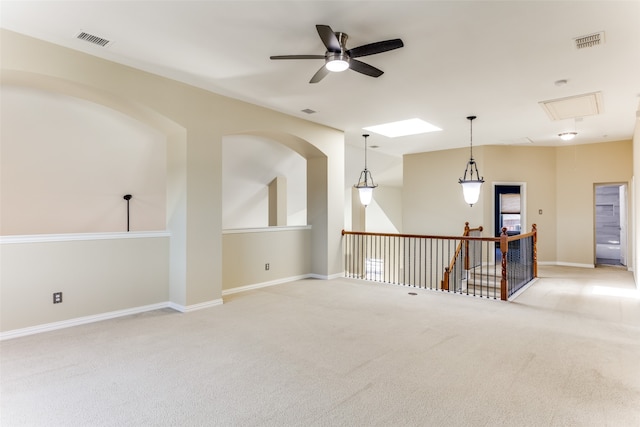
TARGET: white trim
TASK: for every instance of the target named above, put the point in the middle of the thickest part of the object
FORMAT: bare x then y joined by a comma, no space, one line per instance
566,264
523,203
280,281
194,307
265,229
47,327
522,289
264,284
330,277
42,238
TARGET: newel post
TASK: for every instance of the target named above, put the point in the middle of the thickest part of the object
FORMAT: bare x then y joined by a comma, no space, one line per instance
504,248
466,246
444,284
535,250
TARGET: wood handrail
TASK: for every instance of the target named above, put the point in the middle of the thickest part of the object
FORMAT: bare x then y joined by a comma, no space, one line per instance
447,270
418,236
428,236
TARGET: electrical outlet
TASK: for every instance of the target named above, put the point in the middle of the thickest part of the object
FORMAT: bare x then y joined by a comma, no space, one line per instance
266,266
57,297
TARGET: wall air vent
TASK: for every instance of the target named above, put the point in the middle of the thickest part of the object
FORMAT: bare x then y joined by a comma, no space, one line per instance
589,40
93,39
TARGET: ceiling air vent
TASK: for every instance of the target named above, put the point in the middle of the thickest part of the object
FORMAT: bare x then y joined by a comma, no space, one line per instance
93,39
589,40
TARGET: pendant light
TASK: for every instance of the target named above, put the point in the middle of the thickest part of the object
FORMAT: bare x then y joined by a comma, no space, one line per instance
471,186
365,184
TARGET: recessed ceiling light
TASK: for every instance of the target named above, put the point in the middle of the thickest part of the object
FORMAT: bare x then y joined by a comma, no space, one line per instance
403,128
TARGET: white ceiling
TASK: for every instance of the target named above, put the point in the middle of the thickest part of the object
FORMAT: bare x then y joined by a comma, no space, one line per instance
496,60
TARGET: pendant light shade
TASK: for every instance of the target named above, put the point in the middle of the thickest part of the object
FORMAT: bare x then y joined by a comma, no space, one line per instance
365,184
472,181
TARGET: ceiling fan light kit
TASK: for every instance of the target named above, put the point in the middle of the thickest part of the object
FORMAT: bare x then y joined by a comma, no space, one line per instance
337,62
338,58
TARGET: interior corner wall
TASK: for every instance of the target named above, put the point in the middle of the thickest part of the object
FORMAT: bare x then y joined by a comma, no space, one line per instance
536,168
384,214
358,212
579,167
317,211
432,201
177,215
635,191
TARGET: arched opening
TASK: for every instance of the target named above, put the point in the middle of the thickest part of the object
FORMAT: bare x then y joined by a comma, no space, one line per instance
260,255
250,164
68,162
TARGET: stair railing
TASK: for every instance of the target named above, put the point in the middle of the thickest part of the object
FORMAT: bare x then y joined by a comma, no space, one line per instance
488,267
459,254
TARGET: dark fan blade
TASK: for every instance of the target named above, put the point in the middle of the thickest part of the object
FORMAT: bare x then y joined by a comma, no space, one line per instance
319,75
363,68
373,48
328,38
297,57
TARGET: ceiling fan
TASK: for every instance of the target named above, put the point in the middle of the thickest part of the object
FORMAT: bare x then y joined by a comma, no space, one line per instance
339,58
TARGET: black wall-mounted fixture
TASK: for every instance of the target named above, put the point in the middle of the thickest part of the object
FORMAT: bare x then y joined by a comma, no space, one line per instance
127,197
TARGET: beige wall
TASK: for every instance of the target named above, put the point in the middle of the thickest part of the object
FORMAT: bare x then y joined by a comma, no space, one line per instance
194,122
67,163
286,250
557,180
579,167
95,275
535,168
635,209
432,201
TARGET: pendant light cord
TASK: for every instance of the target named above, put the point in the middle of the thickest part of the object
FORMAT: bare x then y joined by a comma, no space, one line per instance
470,118
365,151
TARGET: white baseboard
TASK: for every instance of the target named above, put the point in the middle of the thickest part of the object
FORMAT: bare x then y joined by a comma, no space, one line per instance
265,284
330,277
522,289
189,308
280,281
79,321
566,264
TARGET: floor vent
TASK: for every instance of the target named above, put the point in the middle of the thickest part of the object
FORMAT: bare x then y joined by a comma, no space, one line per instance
93,39
589,40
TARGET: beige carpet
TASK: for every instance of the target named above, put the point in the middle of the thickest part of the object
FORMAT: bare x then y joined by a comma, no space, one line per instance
345,353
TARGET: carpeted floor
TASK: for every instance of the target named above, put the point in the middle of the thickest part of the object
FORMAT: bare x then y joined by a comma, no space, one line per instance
566,352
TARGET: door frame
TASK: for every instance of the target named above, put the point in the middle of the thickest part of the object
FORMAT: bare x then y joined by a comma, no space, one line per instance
523,204
624,220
